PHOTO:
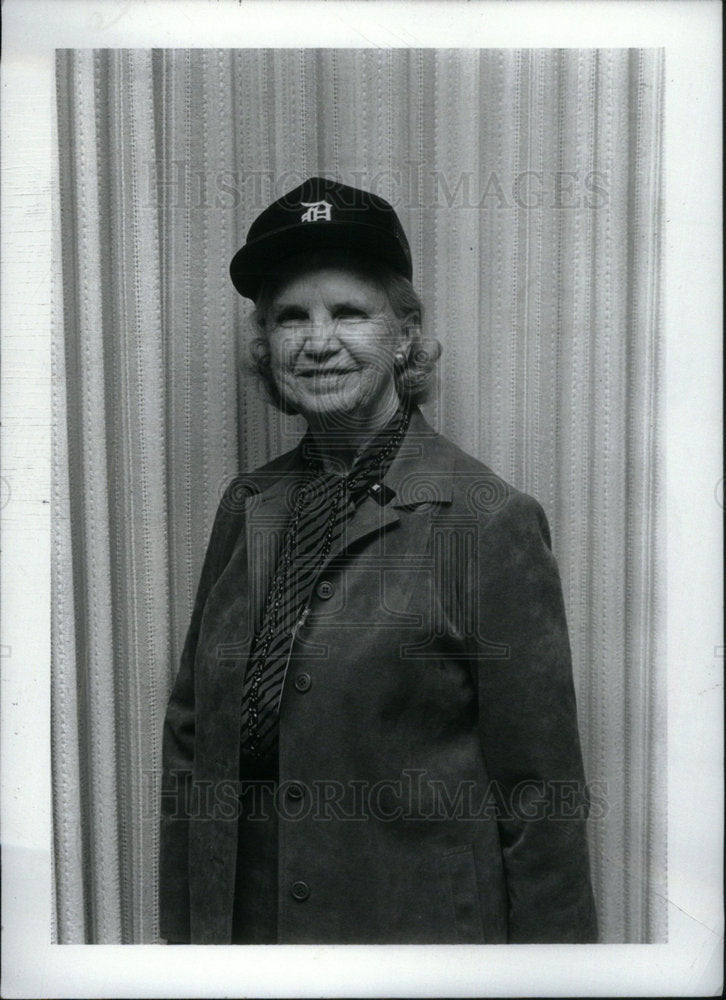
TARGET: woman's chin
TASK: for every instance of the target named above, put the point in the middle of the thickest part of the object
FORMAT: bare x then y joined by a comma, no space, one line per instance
335,412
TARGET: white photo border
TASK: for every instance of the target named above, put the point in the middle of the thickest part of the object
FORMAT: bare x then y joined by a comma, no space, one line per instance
691,963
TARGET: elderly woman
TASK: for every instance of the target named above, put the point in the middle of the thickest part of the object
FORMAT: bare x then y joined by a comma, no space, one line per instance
373,734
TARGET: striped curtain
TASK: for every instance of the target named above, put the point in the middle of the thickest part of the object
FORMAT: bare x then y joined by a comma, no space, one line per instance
529,185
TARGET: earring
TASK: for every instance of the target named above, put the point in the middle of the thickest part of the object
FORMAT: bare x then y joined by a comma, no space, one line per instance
399,357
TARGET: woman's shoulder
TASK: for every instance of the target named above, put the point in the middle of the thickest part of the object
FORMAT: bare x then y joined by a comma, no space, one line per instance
244,485
481,492
471,477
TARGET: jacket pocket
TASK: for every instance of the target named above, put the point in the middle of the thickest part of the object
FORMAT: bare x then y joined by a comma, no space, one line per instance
459,870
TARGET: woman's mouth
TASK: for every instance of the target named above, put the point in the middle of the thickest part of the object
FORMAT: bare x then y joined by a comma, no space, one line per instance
323,373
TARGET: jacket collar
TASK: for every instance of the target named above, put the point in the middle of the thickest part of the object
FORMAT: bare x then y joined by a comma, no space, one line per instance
423,469
421,472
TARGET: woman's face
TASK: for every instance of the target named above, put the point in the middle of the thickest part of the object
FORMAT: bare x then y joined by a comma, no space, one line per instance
332,335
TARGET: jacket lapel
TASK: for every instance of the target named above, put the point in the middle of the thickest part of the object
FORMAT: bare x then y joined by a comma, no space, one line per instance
421,473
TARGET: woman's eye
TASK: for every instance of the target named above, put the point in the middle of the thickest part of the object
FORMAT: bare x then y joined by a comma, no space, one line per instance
290,316
350,313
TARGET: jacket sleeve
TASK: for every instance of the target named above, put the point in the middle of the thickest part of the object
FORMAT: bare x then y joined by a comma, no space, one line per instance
178,746
528,728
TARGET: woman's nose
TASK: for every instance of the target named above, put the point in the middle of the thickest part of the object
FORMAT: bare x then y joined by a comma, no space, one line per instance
321,338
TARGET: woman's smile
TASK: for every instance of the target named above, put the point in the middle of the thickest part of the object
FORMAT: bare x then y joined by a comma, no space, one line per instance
319,373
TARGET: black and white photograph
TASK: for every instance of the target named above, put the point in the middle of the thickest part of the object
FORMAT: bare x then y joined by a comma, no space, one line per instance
387,658
364,622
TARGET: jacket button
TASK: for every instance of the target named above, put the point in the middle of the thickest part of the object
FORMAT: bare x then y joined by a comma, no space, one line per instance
300,890
325,590
295,791
303,682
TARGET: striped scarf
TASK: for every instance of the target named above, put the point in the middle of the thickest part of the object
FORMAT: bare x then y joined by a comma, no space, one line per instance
322,506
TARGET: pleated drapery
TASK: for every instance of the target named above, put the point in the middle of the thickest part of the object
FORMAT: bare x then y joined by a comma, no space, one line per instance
529,185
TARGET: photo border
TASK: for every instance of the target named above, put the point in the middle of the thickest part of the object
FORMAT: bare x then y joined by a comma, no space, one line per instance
690,964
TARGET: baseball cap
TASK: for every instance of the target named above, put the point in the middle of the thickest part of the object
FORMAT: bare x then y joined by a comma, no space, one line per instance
319,214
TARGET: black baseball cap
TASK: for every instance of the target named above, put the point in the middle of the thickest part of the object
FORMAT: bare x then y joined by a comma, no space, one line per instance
319,214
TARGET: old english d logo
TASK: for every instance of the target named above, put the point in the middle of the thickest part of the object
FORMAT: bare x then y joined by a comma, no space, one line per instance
317,211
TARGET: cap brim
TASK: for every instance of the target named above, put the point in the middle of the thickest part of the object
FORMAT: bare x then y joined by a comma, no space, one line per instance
254,261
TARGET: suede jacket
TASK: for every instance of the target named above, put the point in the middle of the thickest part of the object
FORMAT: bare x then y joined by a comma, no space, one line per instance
431,786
